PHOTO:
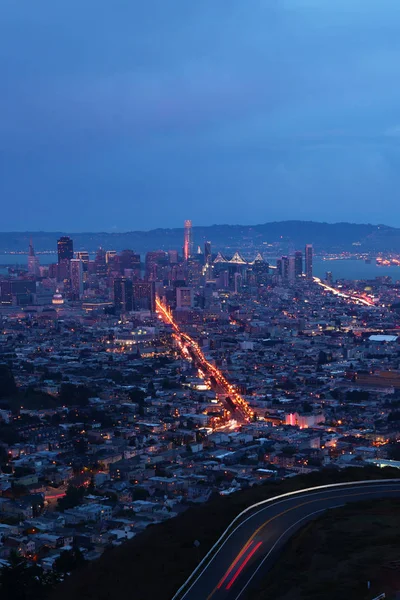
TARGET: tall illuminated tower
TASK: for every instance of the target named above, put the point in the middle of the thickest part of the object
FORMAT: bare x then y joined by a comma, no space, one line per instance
187,240
76,272
207,252
33,261
65,249
308,255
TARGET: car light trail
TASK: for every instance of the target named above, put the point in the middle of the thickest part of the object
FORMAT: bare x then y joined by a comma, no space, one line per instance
186,343
233,564
242,566
337,292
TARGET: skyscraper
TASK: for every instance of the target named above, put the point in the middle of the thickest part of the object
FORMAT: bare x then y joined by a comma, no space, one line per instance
110,255
187,240
83,255
123,294
155,261
298,263
184,298
144,297
76,270
100,265
292,268
33,261
207,253
65,249
130,260
309,261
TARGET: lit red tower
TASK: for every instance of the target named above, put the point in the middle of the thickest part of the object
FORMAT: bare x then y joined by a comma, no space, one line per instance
187,240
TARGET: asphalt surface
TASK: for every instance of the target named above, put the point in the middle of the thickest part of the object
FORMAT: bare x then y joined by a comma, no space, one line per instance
257,539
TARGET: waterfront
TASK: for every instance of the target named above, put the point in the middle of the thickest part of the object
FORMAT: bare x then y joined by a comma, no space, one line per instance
340,268
354,269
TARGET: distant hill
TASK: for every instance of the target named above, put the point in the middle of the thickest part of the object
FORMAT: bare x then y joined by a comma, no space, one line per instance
295,234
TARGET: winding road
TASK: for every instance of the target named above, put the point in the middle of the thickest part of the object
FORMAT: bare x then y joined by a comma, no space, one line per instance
251,544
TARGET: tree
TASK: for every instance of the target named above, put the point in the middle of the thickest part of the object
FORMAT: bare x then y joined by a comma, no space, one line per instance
8,386
69,560
139,493
307,407
73,497
137,395
75,395
19,581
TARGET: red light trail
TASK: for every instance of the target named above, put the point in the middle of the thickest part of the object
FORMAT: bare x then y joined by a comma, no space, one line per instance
233,564
185,342
242,566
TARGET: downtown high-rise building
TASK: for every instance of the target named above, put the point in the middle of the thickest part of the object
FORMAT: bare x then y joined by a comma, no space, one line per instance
187,240
65,249
83,255
207,253
123,294
144,296
308,260
33,261
130,261
110,256
76,273
298,263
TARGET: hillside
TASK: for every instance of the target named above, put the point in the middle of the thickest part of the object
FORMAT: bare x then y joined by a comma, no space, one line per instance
155,563
324,236
336,555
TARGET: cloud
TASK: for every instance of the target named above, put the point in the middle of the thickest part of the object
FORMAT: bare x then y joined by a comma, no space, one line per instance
227,103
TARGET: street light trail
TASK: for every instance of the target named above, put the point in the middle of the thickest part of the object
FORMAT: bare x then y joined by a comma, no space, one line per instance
188,343
337,292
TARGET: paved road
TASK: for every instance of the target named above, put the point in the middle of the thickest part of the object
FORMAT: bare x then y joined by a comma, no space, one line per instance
254,544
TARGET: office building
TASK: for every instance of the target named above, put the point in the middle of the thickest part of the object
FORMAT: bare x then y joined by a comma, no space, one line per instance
298,263
173,256
129,260
187,240
17,292
33,261
207,253
144,297
123,294
83,255
110,256
292,268
65,249
184,298
100,266
308,258
76,271
282,268
155,263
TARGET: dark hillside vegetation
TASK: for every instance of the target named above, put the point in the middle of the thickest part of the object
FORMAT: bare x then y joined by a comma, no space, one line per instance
155,563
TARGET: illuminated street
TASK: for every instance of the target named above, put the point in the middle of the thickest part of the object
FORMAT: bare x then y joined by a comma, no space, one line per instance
190,348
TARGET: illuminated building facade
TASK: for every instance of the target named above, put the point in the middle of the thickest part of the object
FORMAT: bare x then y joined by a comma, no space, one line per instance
65,249
123,294
309,261
298,263
76,270
83,255
207,253
144,297
187,240
184,298
33,262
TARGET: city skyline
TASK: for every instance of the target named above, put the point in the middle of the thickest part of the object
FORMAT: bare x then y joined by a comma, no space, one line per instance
256,112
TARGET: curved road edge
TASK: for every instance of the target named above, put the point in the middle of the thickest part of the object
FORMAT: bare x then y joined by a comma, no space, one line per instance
238,521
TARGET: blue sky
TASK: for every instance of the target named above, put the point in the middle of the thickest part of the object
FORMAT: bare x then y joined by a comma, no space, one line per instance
138,114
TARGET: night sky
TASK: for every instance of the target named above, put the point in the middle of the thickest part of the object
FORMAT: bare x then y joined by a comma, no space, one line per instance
136,114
